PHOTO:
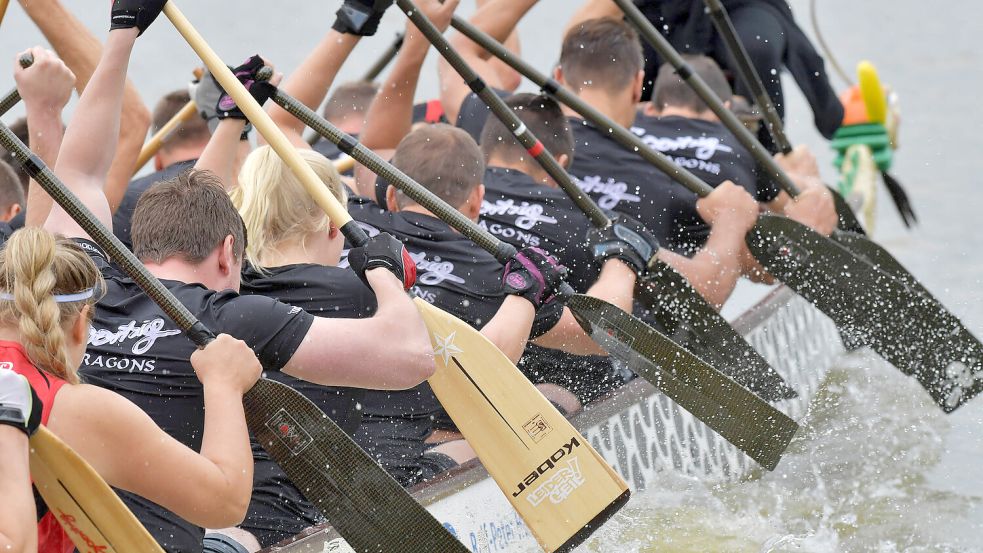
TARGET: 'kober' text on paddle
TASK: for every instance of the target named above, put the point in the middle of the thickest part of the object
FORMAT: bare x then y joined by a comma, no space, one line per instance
546,466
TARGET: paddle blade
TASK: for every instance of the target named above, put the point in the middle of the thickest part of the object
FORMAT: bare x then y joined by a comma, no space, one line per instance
873,299
554,479
88,510
691,322
367,507
740,417
901,201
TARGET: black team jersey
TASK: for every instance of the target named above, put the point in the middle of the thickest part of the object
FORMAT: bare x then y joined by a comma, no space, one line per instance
619,180
277,509
524,213
135,350
709,151
455,275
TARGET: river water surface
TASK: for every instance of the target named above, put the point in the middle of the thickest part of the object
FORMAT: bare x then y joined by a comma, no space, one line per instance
876,467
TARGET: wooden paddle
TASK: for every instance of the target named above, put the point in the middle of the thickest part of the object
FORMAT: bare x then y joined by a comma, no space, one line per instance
742,418
688,319
156,141
88,510
752,80
561,486
869,294
3,9
309,446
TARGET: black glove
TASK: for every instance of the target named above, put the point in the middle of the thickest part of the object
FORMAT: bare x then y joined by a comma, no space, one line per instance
360,17
382,250
127,14
626,239
20,406
533,274
215,104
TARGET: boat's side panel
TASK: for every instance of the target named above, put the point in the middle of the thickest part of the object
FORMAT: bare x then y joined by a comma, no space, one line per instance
640,432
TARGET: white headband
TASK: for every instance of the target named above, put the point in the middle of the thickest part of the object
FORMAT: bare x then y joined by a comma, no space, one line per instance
59,298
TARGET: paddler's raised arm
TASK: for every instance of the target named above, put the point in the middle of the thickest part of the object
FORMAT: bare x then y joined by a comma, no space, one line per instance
310,82
92,136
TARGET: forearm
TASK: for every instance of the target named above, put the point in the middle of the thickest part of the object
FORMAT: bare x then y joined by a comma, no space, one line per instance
569,336
714,270
46,134
390,116
509,328
225,443
90,141
18,521
497,18
309,84
80,50
594,9
220,154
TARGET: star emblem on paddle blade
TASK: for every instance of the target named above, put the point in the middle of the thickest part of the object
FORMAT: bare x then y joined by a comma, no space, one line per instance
445,347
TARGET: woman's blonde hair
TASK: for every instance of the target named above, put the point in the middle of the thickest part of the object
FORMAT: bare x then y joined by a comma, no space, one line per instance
274,204
34,268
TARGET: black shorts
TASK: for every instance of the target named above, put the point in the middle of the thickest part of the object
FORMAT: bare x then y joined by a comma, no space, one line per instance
220,543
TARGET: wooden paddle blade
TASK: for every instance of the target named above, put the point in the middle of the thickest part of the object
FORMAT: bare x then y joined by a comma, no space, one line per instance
367,507
878,303
691,322
88,510
558,483
740,417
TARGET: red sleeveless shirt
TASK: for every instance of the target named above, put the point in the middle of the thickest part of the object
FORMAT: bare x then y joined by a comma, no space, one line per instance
51,537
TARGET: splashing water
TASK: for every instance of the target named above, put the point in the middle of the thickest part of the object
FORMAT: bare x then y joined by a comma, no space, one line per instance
856,478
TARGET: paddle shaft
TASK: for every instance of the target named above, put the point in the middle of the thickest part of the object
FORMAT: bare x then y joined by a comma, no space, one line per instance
504,114
266,127
502,251
748,74
384,60
156,141
727,117
553,88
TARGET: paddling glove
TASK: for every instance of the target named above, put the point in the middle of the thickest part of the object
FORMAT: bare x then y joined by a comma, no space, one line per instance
20,406
625,239
360,17
382,250
127,14
533,274
215,104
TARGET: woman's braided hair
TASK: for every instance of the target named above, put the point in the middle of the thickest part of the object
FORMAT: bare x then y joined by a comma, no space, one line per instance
34,267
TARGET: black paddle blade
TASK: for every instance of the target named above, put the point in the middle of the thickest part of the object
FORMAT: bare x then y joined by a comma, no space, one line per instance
875,301
900,198
848,219
363,503
691,322
740,417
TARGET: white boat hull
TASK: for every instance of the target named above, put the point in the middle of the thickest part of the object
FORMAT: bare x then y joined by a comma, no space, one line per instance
638,430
